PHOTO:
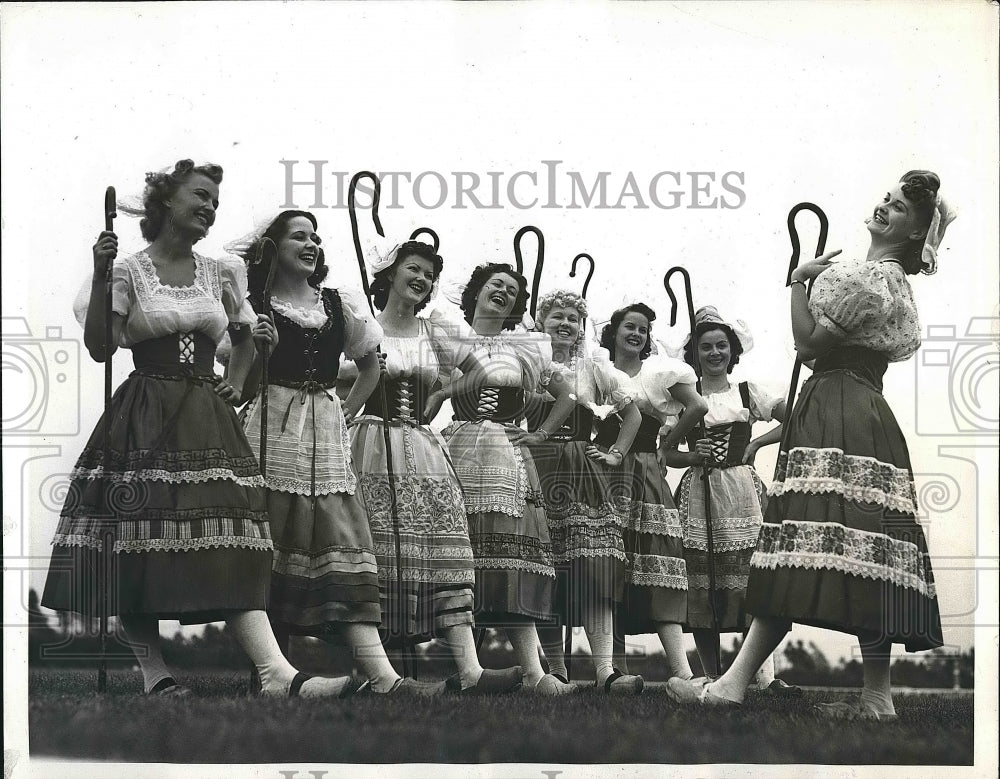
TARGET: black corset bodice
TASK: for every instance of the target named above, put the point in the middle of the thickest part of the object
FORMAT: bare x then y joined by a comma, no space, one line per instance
406,397
645,439
728,441
577,427
859,360
307,354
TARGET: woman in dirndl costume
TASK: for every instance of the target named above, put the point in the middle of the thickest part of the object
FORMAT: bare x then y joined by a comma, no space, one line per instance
324,580
736,492
586,529
661,387
184,496
435,552
840,547
515,578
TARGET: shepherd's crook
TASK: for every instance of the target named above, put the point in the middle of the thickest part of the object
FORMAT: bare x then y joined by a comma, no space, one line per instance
267,255
793,263
590,273
107,544
393,505
705,468
435,241
539,262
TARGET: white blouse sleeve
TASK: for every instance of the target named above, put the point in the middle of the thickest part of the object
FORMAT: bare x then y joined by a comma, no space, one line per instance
233,276
122,296
450,346
361,332
763,401
534,353
611,388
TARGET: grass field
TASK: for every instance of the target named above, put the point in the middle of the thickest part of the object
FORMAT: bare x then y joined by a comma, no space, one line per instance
221,725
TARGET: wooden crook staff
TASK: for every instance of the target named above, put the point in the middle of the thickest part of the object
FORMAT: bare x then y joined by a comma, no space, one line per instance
387,439
539,262
706,467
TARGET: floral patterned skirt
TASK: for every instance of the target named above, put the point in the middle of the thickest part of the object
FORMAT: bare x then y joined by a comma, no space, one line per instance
655,571
185,506
434,547
840,547
588,547
512,550
736,497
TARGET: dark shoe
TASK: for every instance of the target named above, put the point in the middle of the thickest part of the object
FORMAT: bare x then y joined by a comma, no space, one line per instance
168,688
781,689
850,710
407,686
622,684
490,682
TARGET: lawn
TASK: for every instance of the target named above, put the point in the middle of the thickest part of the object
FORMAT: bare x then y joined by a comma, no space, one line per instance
222,725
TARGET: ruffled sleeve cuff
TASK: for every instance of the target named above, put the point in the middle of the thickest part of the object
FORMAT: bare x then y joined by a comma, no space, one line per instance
361,332
233,275
763,400
121,294
534,352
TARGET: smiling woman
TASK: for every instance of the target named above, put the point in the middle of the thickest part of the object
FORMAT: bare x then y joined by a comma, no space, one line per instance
175,481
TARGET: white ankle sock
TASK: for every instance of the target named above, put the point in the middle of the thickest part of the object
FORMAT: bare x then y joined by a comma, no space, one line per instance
877,691
524,641
672,637
462,644
551,639
599,626
144,631
762,639
369,654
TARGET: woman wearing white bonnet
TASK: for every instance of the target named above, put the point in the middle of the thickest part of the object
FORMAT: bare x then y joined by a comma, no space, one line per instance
736,492
840,547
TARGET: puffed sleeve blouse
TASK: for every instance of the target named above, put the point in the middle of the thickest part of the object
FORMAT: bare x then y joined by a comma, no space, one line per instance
869,304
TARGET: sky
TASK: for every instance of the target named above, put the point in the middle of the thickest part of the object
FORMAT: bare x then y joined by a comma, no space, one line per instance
731,112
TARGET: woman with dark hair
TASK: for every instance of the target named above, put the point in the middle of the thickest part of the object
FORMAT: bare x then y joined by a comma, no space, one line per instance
507,527
184,495
840,547
585,526
656,577
435,552
736,491
324,580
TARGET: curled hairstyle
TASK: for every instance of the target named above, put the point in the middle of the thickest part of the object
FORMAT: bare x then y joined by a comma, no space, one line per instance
691,347
920,187
561,298
382,281
479,278
257,273
160,187
610,330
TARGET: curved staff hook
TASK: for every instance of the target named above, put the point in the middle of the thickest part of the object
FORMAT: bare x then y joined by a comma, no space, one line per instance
539,262
706,468
793,263
393,499
590,273
107,537
267,255
435,241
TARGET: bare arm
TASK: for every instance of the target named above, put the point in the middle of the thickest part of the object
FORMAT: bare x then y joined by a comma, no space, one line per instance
811,339
368,375
695,408
105,251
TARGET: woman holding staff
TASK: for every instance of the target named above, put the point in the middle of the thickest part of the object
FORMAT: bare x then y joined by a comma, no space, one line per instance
656,575
324,581
184,493
437,561
840,547
584,524
713,350
515,577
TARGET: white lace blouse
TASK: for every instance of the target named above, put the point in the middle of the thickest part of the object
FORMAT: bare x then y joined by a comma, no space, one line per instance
217,298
